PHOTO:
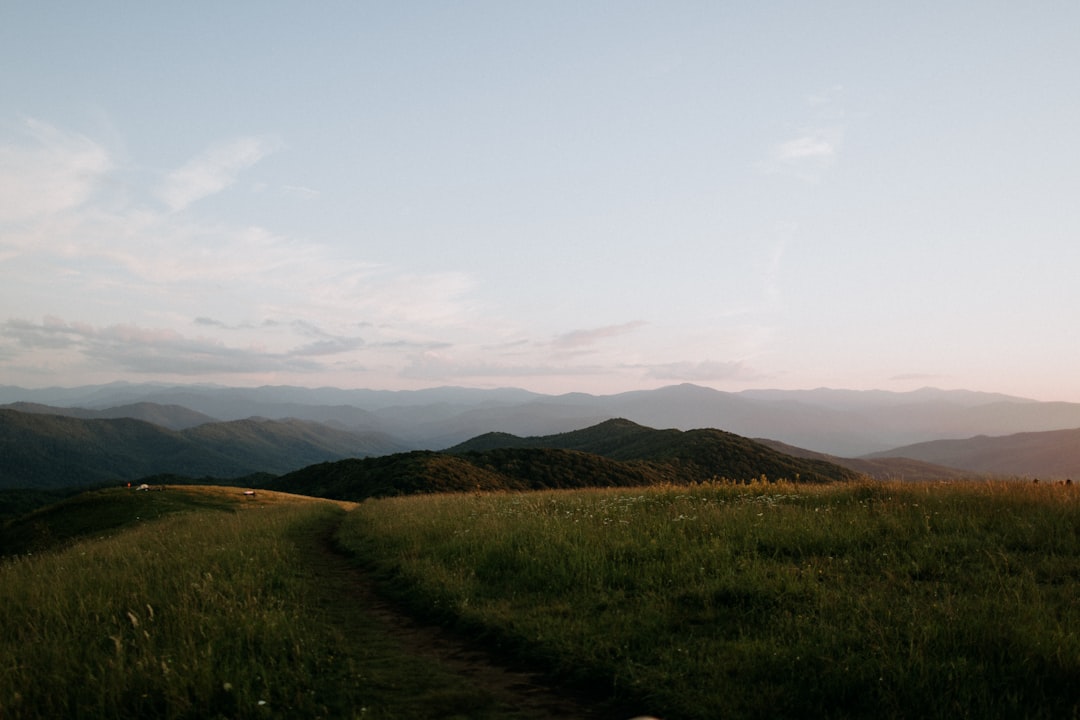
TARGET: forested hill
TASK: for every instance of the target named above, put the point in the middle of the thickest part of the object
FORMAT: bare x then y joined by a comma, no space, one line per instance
52,451
697,454
616,453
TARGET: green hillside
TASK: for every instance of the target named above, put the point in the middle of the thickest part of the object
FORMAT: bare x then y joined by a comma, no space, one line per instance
430,472
100,512
617,453
696,455
52,451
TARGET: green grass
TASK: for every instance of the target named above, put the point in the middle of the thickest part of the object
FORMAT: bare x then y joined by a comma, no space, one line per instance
768,600
773,600
103,512
222,607
197,614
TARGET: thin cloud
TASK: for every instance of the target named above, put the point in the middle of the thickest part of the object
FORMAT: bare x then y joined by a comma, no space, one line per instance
213,171
584,338
806,156
329,346
807,146
142,263
440,366
51,334
817,146
54,172
157,350
707,370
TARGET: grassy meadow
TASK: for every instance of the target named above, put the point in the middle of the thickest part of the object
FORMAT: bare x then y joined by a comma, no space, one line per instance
761,601
767,600
200,603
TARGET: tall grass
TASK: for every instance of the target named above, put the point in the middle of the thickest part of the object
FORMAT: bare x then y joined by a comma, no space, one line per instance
881,600
198,615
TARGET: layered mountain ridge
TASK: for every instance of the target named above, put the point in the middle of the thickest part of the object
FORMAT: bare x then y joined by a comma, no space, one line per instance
842,423
877,433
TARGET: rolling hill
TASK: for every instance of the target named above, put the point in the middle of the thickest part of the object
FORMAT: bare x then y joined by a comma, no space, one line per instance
174,417
1053,455
615,453
887,468
697,454
53,451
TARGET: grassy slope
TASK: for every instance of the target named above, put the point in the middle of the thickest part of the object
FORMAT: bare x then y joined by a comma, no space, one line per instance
768,601
223,606
104,512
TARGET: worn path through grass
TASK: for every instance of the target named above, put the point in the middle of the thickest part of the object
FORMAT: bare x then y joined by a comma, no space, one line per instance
196,602
414,669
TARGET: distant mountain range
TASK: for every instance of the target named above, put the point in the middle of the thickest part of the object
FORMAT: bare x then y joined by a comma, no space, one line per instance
173,417
841,423
1052,455
225,432
884,468
53,451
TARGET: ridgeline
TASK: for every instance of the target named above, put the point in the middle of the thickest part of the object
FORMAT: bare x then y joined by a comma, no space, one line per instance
615,453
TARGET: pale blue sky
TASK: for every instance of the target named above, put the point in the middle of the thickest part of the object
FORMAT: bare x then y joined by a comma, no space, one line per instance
560,196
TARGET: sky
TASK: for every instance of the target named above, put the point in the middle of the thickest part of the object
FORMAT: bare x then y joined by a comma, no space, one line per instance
559,196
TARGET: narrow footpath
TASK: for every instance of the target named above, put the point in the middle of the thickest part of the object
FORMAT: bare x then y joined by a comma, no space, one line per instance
482,685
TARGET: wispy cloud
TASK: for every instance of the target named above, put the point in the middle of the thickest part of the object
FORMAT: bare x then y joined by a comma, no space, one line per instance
806,157
137,288
138,261
445,366
162,350
705,371
587,337
804,147
213,170
809,151
53,172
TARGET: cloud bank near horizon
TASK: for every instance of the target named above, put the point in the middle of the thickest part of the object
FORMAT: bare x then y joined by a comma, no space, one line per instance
145,287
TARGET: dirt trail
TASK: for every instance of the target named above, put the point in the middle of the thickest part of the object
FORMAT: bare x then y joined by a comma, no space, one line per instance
527,692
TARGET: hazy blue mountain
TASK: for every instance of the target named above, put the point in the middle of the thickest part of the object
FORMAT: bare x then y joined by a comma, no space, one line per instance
872,399
52,451
1051,455
842,423
888,468
174,417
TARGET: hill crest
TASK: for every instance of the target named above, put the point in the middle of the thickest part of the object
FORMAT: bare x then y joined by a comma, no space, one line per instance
613,453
